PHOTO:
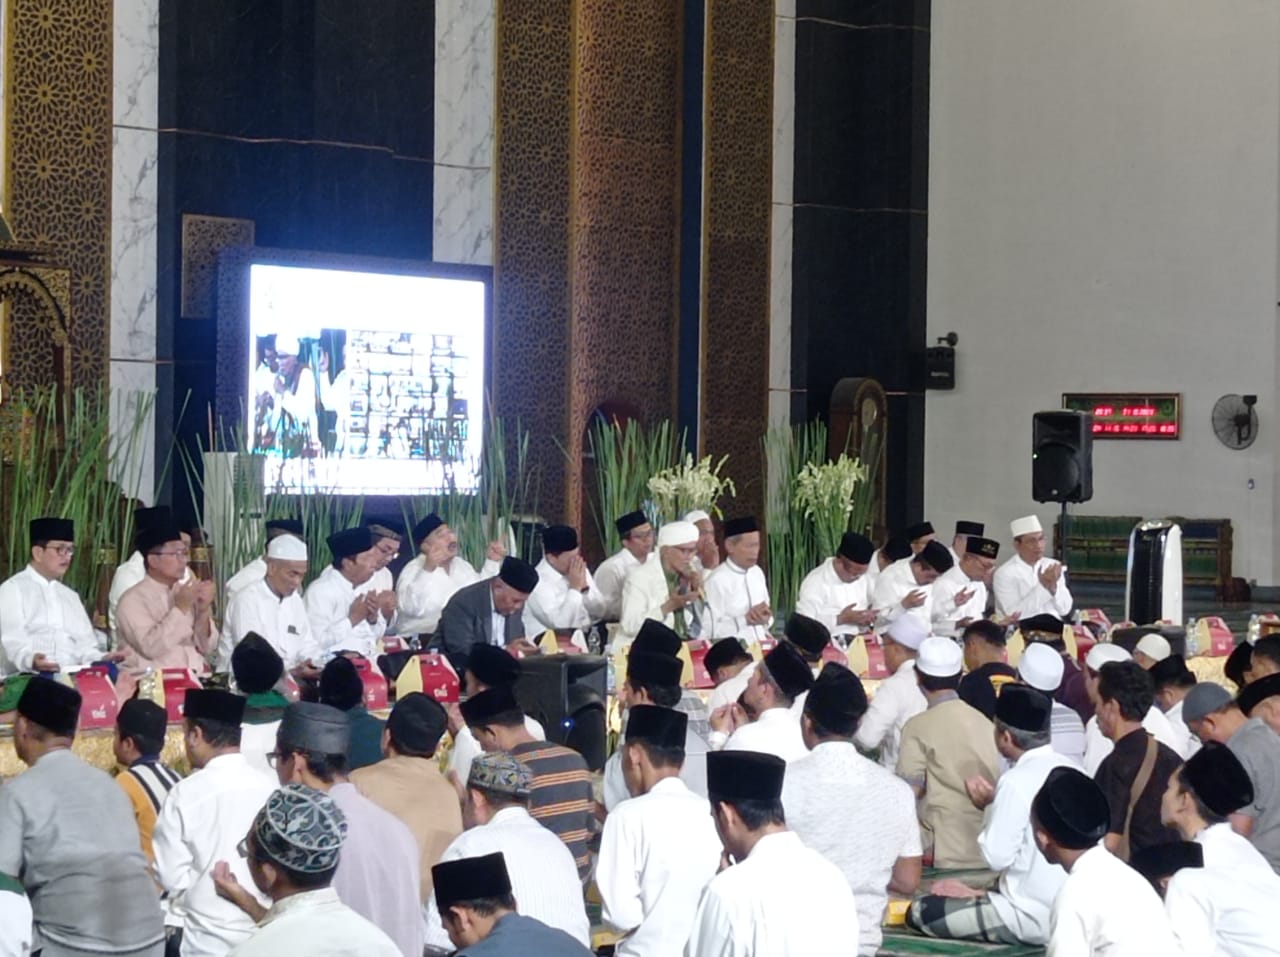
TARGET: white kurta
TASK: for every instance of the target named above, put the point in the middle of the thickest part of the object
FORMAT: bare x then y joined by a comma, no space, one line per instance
202,820
784,900
823,595
658,852
255,571
1018,590
43,617
1107,909
1097,745
945,612
610,578
421,595
1189,744
282,621
727,692
544,878
896,701
776,731
693,773
317,924
644,593
894,584
732,592
328,601
554,604
126,576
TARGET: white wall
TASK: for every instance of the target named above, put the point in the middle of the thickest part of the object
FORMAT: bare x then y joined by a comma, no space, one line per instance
1103,205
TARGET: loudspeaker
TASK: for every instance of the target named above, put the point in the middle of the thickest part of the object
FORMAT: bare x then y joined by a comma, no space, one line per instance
566,694
1062,456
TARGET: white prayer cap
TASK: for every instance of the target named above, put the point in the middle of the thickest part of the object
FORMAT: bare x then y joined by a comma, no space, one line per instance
287,345
1027,525
908,632
940,657
697,515
1156,647
1103,653
677,533
287,548
1041,667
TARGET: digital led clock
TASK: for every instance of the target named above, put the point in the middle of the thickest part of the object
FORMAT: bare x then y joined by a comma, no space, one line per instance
1129,415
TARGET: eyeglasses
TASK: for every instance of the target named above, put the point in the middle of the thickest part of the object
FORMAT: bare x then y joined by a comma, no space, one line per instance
274,758
62,550
243,848
179,552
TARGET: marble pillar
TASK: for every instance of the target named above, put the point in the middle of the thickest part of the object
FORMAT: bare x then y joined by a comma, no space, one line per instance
462,228
133,232
784,136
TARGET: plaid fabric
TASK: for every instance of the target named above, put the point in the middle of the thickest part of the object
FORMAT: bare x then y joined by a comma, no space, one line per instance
902,943
959,918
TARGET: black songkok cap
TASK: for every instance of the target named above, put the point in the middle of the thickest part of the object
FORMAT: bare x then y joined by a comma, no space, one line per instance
724,652
1024,708
1218,779
982,547
1165,860
147,517
350,542
142,718
1044,624
417,722
314,727
52,530
661,727
629,521
837,701
1238,662
1254,693
857,548
212,705
919,530
809,634
936,556
156,536
426,527
492,666
255,664
741,526
559,538
470,879
291,526
1072,809
340,684
52,705
896,549
647,669
482,708
744,776
655,638
518,574
1172,671
970,528
789,671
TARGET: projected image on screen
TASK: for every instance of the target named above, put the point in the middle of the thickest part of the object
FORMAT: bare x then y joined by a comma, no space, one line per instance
365,383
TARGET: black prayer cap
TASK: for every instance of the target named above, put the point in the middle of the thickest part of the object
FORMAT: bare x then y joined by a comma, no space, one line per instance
426,527
481,708
213,705
656,638
1044,624
896,549
789,671
142,718
809,634
518,574
52,705
661,727
857,548
1254,693
291,526
936,556
646,668
1072,809
1238,662
417,722
629,521
492,666
919,530
147,517
741,526
1218,779
52,530
1171,671
559,538
255,664
340,684
156,536
837,701
744,776
1165,860
970,528
724,652
350,542
470,879
1023,708
982,547
314,727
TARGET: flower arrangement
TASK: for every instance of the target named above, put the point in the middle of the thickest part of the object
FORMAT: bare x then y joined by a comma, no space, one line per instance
689,485
824,493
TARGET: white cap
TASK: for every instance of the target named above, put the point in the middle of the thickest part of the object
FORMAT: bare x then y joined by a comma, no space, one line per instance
287,345
1155,647
940,658
1026,525
1041,667
677,533
697,515
1103,653
908,632
287,548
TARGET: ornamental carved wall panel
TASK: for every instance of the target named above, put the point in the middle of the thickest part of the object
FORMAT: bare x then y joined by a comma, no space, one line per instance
58,189
203,239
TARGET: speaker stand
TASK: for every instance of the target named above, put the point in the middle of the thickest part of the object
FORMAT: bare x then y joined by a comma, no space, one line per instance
1065,526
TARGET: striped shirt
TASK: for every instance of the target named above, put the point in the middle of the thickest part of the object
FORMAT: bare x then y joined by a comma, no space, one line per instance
147,783
561,797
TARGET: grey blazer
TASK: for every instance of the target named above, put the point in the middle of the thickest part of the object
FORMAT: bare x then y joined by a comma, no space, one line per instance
467,618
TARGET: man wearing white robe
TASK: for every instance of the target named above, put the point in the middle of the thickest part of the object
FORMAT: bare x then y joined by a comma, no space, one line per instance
737,593
257,568
731,668
836,593
637,549
778,680
273,608
1173,679
959,595
667,590
898,699
343,618
566,598
959,542
905,588
1030,583
428,582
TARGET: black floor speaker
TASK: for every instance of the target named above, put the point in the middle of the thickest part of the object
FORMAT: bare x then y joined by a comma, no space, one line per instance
566,694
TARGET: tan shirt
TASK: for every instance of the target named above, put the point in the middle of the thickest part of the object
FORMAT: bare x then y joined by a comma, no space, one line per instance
414,790
154,633
940,749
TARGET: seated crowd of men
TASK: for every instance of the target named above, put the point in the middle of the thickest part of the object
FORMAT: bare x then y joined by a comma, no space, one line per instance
1122,807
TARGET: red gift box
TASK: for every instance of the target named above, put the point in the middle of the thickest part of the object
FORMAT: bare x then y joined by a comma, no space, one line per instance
832,653
439,680
876,668
698,656
375,685
1221,641
98,704
177,681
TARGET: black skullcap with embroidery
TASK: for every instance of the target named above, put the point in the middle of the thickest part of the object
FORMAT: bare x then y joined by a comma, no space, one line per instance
982,547
301,829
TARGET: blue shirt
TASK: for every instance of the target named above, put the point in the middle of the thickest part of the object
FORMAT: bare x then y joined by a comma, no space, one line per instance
515,935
